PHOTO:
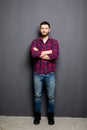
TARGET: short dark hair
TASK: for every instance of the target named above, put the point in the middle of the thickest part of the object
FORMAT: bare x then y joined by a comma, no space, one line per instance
45,23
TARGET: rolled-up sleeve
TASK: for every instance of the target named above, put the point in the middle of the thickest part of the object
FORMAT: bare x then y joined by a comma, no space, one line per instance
55,50
33,52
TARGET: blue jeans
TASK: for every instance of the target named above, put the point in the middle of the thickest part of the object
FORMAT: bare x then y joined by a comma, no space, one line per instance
49,80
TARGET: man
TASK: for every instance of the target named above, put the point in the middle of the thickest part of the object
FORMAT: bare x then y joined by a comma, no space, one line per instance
45,51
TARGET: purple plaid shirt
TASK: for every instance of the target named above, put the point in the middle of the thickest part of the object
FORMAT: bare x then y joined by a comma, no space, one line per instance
41,65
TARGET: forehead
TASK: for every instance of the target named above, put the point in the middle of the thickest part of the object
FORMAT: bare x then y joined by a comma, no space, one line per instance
44,26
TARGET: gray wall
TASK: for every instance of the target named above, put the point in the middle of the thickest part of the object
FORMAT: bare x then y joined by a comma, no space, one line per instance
19,22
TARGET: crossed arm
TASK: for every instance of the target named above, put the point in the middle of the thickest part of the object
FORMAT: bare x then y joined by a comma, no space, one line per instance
44,54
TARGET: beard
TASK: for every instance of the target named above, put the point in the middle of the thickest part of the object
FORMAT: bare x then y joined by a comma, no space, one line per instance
44,35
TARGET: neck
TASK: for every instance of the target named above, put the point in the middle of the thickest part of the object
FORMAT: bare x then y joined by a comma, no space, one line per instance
45,38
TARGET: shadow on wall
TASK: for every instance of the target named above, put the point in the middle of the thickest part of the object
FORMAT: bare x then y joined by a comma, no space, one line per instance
29,63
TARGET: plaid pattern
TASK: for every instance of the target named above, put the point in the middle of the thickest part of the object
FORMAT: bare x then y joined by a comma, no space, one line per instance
40,65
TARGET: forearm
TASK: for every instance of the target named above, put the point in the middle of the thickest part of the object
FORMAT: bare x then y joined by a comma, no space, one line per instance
45,53
46,57
35,52
55,52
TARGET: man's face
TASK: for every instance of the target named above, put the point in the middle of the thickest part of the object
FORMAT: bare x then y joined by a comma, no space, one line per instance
44,29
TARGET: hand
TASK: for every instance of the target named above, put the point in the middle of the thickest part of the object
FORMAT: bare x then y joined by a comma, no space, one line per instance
46,57
49,51
35,48
45,53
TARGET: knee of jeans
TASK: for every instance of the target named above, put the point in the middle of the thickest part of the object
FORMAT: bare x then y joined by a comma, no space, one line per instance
37,95
51,97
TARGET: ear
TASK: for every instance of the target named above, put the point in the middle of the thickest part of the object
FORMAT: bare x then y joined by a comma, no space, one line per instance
40,30
49,29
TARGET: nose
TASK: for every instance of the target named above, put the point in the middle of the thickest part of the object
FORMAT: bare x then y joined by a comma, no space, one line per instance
43,29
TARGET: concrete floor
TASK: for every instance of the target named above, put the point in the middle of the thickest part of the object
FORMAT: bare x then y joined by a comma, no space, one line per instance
26,123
